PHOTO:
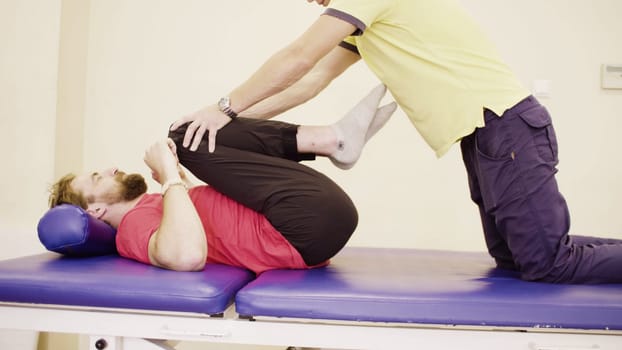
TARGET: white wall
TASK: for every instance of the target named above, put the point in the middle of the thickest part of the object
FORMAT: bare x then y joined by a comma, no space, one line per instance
143,63
148,62
151,62
566,42
29,33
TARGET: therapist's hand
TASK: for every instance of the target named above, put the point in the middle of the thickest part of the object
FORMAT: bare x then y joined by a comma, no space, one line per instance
209,119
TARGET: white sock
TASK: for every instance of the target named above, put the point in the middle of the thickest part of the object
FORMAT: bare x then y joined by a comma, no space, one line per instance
382,116
350,133
358,126
352,129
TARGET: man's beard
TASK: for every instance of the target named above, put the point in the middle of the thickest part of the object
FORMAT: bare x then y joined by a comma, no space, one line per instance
131,186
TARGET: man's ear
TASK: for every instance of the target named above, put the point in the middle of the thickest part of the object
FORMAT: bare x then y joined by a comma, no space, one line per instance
96,210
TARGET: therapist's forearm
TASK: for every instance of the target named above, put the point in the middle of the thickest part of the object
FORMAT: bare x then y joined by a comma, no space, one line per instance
280,72
324,71
289,65
302,91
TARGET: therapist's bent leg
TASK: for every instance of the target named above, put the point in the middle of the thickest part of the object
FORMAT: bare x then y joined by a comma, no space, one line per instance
495,240
515,160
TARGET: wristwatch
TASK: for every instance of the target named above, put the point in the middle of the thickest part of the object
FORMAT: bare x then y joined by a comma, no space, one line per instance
224,104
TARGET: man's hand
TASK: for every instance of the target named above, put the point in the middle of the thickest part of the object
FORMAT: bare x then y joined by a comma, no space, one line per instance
209,119
161,158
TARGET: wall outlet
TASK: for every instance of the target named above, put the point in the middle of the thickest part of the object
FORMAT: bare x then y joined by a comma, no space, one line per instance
611,76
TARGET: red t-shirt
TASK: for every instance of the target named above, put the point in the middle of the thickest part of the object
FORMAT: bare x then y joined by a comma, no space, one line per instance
236,235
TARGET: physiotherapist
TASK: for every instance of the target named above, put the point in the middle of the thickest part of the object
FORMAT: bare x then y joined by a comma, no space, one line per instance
451,82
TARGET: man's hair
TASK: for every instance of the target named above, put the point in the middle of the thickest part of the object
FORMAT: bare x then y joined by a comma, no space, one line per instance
62,193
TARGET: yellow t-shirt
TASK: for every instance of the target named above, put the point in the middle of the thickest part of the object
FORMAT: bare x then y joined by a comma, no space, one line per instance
437,63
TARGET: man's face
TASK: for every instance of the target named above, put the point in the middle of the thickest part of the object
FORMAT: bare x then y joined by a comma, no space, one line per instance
109,186
320,2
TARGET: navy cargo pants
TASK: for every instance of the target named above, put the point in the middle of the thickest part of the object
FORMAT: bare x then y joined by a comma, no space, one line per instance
511,165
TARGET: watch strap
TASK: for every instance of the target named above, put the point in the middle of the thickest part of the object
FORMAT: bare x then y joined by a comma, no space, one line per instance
224,104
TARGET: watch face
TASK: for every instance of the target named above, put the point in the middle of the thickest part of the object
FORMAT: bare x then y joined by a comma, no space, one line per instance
223,103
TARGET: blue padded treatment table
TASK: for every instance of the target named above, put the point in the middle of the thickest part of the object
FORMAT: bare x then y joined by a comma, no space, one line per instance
428,287
114,282
367,298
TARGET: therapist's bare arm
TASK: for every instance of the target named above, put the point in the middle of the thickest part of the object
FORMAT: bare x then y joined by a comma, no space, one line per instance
179,243
280,72
328,68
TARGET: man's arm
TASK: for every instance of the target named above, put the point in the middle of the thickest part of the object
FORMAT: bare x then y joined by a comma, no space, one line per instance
328,68
179,243
290,64
280,72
